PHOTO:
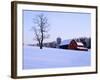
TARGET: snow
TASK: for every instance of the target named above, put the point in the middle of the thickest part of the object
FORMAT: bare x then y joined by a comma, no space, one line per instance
82,48
35,58
80,44
64,42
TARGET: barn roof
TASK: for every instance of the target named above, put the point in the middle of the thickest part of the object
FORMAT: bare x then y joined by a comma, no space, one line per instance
64,42
79,43
67,42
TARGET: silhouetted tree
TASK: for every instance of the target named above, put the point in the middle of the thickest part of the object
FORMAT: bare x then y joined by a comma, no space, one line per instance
40,29
86,41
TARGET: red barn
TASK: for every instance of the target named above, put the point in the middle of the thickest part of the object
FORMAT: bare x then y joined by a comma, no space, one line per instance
72,44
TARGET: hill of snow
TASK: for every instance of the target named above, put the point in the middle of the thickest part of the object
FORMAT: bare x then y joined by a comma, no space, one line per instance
33,58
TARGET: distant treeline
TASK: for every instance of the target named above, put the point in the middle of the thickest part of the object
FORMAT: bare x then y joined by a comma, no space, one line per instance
86,41
55,44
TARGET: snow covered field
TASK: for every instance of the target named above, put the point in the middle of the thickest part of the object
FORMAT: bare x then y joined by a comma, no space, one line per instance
35,58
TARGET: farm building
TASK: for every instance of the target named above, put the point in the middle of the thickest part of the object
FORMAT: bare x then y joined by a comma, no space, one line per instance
72,44
64,44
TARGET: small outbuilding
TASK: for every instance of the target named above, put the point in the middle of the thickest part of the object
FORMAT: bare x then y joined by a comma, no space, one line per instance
64,44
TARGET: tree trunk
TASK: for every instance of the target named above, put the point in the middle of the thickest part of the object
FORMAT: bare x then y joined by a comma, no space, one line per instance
41,45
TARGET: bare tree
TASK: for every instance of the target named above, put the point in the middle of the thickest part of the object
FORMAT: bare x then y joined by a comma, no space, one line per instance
40,29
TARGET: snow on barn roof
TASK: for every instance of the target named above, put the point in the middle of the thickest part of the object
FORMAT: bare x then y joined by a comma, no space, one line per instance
64,42
79,43
82,48
67,42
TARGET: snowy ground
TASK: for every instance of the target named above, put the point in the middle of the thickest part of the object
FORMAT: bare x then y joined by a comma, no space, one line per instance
33,58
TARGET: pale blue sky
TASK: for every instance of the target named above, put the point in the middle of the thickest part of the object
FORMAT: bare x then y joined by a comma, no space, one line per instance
65,25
